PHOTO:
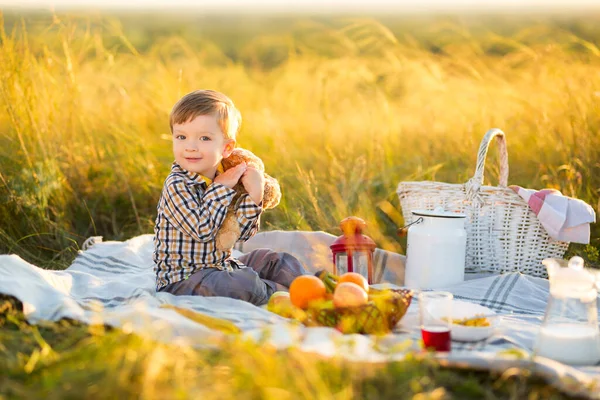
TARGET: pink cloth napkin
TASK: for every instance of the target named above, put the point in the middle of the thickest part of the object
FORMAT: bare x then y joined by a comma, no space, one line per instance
565,218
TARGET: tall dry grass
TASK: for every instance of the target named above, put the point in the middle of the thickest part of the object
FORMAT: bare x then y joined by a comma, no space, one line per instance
340,112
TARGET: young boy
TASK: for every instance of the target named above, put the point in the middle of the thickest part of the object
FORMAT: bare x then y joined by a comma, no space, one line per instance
193,204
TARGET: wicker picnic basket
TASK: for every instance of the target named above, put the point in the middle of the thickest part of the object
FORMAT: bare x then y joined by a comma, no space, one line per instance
503,234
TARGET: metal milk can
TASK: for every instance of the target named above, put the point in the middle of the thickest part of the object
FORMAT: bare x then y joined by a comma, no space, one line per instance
436,249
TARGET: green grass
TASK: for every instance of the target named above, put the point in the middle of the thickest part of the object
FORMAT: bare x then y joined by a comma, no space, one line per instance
67,359
340,109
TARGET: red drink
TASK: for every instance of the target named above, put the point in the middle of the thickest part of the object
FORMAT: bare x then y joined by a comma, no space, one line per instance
436,337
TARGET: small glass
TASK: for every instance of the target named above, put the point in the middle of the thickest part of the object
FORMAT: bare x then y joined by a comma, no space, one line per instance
435,318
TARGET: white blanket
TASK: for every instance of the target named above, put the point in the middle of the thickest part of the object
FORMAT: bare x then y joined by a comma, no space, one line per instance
113,283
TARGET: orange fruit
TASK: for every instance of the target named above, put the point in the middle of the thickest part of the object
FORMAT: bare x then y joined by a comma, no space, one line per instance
357,278
306,288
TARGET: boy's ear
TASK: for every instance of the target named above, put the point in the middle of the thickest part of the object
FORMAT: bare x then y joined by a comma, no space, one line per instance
229,146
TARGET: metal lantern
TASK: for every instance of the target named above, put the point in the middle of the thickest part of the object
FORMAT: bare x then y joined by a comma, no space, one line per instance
353,251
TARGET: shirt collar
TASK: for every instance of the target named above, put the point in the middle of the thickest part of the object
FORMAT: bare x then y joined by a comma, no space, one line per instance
194,178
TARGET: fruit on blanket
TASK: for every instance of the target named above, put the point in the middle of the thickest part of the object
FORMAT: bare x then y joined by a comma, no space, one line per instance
279,297
348,294
384,294
381,312
329,279
322,304
384,299
306,288
283,306
355,278
348,324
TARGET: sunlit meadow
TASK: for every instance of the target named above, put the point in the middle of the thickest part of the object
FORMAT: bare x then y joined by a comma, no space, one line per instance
340,109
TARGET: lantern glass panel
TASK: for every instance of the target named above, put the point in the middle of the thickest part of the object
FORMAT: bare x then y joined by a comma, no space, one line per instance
341,263
360,263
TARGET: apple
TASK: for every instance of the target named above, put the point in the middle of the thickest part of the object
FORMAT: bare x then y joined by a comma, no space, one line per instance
348,294
279,297
280,303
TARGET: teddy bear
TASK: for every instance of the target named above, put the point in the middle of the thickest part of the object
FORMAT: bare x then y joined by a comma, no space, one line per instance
230,232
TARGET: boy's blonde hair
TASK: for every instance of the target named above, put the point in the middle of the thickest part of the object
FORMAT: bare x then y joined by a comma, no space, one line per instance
207,102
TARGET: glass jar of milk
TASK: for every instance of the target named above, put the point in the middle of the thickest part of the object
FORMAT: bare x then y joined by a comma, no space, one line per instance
569,333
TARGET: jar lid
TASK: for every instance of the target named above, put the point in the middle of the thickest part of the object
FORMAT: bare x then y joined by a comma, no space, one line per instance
570,281
438,212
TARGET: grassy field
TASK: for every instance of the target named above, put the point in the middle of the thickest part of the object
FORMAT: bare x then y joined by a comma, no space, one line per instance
339,108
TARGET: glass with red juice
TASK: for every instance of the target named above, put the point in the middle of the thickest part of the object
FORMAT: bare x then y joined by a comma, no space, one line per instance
435,312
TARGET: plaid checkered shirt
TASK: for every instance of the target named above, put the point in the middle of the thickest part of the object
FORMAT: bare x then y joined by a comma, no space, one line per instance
190,211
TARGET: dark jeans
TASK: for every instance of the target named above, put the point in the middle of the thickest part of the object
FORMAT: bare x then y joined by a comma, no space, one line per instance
266,272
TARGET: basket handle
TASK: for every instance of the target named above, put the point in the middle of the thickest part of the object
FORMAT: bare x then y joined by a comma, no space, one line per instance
475,183
481,156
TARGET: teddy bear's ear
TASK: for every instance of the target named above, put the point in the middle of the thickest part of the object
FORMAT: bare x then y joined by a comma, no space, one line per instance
251,159
232,160
237,152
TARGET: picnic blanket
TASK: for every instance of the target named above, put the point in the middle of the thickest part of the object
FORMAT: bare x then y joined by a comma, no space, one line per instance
114,283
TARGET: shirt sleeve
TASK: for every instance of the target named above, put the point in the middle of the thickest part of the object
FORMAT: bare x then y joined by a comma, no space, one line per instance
248,215
198,216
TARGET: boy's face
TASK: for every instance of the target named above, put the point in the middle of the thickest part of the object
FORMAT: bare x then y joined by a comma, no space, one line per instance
199,145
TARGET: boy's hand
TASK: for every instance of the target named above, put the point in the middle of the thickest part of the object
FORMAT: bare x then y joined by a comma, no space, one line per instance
254,183
231,177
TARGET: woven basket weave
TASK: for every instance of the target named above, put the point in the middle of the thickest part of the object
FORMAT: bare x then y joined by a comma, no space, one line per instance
503,234
370,318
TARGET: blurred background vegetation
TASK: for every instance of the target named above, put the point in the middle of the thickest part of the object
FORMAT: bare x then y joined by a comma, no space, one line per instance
340,108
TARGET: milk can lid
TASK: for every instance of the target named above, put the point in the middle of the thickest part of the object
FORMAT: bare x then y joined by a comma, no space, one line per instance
438,212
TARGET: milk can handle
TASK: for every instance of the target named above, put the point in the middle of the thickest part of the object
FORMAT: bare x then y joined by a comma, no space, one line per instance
404,230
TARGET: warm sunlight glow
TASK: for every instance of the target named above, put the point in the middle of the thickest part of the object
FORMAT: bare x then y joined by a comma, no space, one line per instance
315,5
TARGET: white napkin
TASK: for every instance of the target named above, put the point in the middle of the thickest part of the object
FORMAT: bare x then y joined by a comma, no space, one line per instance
564,218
